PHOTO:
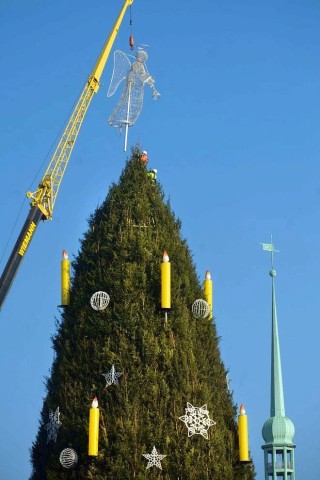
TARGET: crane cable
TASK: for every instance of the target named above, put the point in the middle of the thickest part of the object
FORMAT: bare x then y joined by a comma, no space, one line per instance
131,39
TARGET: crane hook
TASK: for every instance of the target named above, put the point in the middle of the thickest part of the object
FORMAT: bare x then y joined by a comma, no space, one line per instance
131,42
131,39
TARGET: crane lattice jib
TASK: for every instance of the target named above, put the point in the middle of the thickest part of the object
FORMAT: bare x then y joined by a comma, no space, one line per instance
46,194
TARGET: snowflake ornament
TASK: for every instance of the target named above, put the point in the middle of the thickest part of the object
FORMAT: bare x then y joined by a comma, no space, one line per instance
197,420
112,377
53,425
154,458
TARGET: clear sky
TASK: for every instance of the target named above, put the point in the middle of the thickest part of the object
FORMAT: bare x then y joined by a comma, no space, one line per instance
235,137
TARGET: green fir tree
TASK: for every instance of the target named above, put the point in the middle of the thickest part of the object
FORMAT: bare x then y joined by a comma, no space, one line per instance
164,364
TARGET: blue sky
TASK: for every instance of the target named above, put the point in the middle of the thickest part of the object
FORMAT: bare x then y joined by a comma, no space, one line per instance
235,139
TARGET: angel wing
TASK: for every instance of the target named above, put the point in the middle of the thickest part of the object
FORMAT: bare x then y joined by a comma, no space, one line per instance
121,66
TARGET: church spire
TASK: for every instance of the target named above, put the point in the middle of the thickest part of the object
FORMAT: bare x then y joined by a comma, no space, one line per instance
278,430
277,398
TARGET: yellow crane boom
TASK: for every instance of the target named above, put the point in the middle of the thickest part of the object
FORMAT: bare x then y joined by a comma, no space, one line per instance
44,198
45,195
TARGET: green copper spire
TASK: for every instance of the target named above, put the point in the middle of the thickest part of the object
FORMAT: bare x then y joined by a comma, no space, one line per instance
277,398
278,430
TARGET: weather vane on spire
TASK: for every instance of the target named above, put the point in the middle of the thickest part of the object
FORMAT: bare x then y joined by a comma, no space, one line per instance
269,247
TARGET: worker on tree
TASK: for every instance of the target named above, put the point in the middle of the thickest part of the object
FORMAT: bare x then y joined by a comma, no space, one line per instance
144,157
152,174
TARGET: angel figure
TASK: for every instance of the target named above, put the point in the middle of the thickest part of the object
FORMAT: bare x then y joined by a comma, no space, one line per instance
136,76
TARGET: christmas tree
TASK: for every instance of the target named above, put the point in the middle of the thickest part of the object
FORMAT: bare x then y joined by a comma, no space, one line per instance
151,372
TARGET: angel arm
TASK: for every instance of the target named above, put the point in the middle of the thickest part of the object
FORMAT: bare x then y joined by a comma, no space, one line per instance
155,93
150,81
145,77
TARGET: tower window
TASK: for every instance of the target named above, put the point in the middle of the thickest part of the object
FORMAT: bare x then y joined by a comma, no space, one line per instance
279,459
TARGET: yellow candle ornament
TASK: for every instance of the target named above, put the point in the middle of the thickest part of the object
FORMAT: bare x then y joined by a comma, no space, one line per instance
165,282
93,428
207,288
243,435
65,279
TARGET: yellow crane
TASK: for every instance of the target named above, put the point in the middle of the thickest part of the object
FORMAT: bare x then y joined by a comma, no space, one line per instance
43,199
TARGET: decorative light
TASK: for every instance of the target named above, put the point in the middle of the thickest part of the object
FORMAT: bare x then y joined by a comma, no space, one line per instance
136,76
94,415
112,377
99,300
65,279
243,435
200,308
68,458
207,290
165,282
197,420
154,458
53,425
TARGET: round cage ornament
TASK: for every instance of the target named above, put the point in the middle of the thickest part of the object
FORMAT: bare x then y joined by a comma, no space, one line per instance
99,300
200,308
68,458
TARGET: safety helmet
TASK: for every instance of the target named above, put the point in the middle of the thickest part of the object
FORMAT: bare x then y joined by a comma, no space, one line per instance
144,152
154,170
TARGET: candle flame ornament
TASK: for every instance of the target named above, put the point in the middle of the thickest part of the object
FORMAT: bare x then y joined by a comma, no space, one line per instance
207,288
165,282
154,458
53,425
65,279
243,435
197,420
93,428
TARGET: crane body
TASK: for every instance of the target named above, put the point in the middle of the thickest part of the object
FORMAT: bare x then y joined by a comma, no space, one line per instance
44,198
